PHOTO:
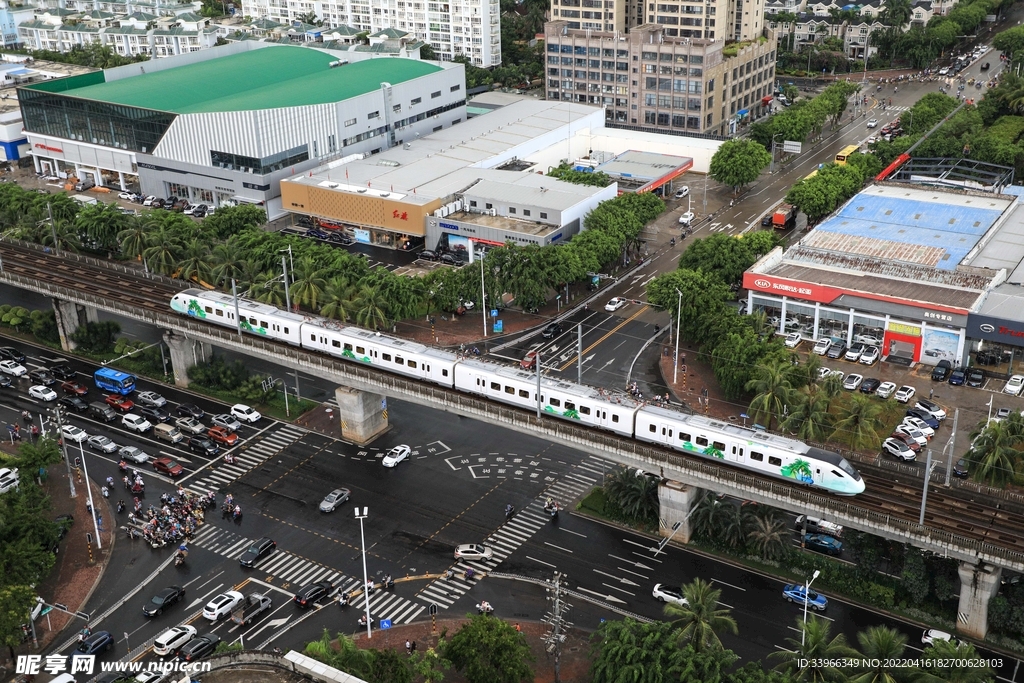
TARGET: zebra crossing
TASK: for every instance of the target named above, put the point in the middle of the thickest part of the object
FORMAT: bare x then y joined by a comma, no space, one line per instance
294,569
268,445
510,536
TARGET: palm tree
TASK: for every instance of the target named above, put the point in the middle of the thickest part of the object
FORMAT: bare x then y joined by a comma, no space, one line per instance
859,424
994,453
337,299
708,516
831,386
634,493
962,664
133,239
883,645
370,308
162,250
732,531
700,618
896,13
768,536
64,231
809,660
307,283
102,223
773,388
228,262
195,263
809,418
268,288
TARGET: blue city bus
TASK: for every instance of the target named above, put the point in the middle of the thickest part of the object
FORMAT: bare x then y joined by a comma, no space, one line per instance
115,381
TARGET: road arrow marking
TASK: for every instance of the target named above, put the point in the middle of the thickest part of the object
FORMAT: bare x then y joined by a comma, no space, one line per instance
620,580
714,226
638,565
607,598
277,622
728,226
590,358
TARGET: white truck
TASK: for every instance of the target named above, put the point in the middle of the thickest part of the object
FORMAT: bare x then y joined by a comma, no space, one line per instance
816,525
253,605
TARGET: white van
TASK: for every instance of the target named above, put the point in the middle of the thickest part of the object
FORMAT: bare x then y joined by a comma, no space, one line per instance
168,433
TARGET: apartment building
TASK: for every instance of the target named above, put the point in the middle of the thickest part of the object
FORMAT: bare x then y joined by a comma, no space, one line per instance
457,27
711,19
648,78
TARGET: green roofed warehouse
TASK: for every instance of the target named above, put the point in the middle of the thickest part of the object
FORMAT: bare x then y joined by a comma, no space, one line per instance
225,125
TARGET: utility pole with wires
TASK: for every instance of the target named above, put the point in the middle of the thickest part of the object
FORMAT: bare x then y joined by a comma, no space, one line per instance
554,638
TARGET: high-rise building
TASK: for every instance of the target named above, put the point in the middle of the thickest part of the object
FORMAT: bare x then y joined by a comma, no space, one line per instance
710,19
649,79
452,28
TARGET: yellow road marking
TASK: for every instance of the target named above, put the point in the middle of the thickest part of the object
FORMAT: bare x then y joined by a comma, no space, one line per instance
599,341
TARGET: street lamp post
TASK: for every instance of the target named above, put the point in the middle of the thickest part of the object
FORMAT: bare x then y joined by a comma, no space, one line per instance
287,296
58,413
88,489
771,166
361,514
679,312
483,297
807,598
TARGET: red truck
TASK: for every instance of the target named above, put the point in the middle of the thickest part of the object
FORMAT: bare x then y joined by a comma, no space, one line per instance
782,217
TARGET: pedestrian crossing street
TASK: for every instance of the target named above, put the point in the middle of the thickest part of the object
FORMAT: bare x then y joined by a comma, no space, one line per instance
517,531
293,569
267,446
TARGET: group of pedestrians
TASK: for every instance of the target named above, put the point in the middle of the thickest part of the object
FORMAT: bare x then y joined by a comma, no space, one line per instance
177,519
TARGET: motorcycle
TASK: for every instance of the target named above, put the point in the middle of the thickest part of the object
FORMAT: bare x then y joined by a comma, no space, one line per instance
26,417
484,608
343,600
509,511
179,559
236,514
123,466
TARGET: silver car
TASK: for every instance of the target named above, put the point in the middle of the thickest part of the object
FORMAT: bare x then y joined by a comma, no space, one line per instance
102,444
190,425
134,454
334,499
226,421
150,399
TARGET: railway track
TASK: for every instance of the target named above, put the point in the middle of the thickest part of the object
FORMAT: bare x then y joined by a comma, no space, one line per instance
997,522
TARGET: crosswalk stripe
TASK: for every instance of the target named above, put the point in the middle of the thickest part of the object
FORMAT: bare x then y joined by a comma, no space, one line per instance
401,614
235,547
280,562
305,577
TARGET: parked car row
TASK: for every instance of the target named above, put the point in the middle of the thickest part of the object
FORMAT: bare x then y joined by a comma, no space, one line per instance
172,203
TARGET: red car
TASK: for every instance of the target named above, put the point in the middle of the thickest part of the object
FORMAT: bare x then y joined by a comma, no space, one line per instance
168,467
118,402
222,436
76,388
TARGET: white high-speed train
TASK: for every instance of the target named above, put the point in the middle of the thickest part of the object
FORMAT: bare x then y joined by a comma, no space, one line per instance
768,454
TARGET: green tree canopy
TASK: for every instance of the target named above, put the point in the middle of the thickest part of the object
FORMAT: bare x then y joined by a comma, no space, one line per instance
739,162
489,650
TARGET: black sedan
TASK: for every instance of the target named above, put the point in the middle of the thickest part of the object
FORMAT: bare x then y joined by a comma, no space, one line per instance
869,385
551,330
190,410
975,377
154,415
197,648
313,592
74,403
165,598
11,353
42,376
257,551
201,444
63,371
5,381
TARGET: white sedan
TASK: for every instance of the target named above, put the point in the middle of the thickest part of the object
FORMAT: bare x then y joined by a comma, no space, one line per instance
396,455
473,551
42,393
872,123
669,594
73,433
245,413
885,389
852,382
905,393
793,340
221,606
821,346
10,367
1014,385
686,218
615,304
127,196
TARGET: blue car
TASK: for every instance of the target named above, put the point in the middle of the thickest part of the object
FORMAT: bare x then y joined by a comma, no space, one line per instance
925,417
958,377
824,544
317,233
795,593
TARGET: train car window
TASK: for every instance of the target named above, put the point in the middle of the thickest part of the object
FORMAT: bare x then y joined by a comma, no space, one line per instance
444,373
615,418
570,406
360,350
252,321
837,474
556,403
399,360
208,309
312,337
286,330
754,455
701,441
585,410
263,324
523,393
684,437
772,460
495,386
663,432
348,347
652,428
412,364
385,356
510,390
335,343
219,312
719,446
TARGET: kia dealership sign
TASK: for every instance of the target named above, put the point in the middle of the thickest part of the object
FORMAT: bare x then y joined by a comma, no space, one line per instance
995,329
774,285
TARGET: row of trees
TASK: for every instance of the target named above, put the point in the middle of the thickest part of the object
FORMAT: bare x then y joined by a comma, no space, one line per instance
567,173
230,245
820,195
921,45
27,536
92,55
806,117
483,650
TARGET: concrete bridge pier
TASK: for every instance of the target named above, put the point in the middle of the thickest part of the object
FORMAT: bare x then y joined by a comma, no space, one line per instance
185,353
69,316
676,501
363,415
978,583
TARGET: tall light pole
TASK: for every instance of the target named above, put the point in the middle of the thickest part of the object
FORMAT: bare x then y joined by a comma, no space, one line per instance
88,489
58,412
807,599
361,514
771,166
679,313
287,297
483,296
